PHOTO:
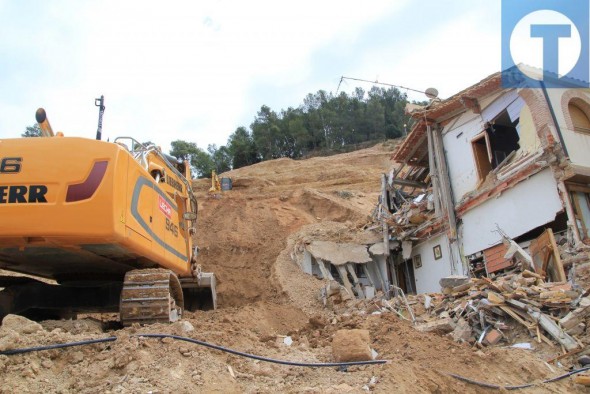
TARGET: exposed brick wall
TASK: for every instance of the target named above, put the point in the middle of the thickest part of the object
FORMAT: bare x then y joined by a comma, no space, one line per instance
537,104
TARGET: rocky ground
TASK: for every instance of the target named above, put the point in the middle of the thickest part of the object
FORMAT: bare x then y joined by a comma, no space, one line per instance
267,306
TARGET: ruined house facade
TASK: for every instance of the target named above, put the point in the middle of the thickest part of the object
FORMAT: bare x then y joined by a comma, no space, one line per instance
490,162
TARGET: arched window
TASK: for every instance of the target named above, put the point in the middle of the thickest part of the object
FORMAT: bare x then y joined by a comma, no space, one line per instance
579,118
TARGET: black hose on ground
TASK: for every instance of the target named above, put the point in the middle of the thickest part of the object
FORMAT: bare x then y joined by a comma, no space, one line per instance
522,386
255,357
271,360
56,346
195,341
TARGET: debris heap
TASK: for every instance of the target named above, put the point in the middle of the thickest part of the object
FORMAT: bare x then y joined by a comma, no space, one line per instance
486,312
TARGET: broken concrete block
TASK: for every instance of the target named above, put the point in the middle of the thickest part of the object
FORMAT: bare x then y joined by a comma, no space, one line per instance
441,326
352,345
569,321
577,330
453,281
493,337
462,332
576,316
427,301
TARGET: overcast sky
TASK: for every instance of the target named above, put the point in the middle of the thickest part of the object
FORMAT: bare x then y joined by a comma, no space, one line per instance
197,70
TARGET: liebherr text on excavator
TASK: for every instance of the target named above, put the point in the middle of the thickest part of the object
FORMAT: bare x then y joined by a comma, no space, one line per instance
98,227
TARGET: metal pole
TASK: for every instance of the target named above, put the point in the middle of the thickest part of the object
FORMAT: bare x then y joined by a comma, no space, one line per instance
99,102
385,208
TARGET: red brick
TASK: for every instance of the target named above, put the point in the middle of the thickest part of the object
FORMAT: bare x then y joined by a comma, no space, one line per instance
493,337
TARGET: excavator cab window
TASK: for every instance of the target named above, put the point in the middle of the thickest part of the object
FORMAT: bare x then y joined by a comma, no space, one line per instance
180,167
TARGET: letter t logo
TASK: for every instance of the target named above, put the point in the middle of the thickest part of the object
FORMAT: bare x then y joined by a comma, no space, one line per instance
551,35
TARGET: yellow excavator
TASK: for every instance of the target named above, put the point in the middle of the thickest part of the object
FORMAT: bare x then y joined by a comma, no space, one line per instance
215,188
97,226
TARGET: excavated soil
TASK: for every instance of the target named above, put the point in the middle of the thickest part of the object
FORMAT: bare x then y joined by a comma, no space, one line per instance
246,236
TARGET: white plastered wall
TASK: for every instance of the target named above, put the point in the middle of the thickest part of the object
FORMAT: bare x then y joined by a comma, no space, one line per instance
529,139
428,276
457,136
527,205
578,144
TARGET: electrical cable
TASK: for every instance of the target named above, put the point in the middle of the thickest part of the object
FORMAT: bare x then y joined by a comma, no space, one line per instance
195,341
56,346
518,387
276,361
255,357
379,83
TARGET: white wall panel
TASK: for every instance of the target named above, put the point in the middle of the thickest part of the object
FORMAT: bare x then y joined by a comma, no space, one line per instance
428,276
528,205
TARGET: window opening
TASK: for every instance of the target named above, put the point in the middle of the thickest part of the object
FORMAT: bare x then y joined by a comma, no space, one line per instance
580,197
495,143
579,118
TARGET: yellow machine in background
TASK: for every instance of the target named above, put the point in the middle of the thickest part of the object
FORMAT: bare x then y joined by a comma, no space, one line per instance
110,222
215,184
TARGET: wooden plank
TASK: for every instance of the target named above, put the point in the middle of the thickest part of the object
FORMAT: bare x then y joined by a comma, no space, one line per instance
494,258
481,156
531,326
489,146
545,255
558,270
554,330
515,316
410,183
385,205
517,304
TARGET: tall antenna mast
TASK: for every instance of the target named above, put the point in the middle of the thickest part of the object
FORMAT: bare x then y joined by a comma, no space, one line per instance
99,102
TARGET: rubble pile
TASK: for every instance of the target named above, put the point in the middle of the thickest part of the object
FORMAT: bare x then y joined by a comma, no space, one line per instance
517,309
487,312
411,214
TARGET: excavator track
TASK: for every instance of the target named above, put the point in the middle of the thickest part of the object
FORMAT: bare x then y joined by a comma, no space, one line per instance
151,296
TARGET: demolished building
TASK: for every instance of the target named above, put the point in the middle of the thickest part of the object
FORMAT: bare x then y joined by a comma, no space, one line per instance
488,165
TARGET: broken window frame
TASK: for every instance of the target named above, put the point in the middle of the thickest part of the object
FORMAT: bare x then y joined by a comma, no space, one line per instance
479,157
579,195
487,160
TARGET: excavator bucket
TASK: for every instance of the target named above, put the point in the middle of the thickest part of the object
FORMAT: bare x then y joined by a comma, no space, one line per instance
199,293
